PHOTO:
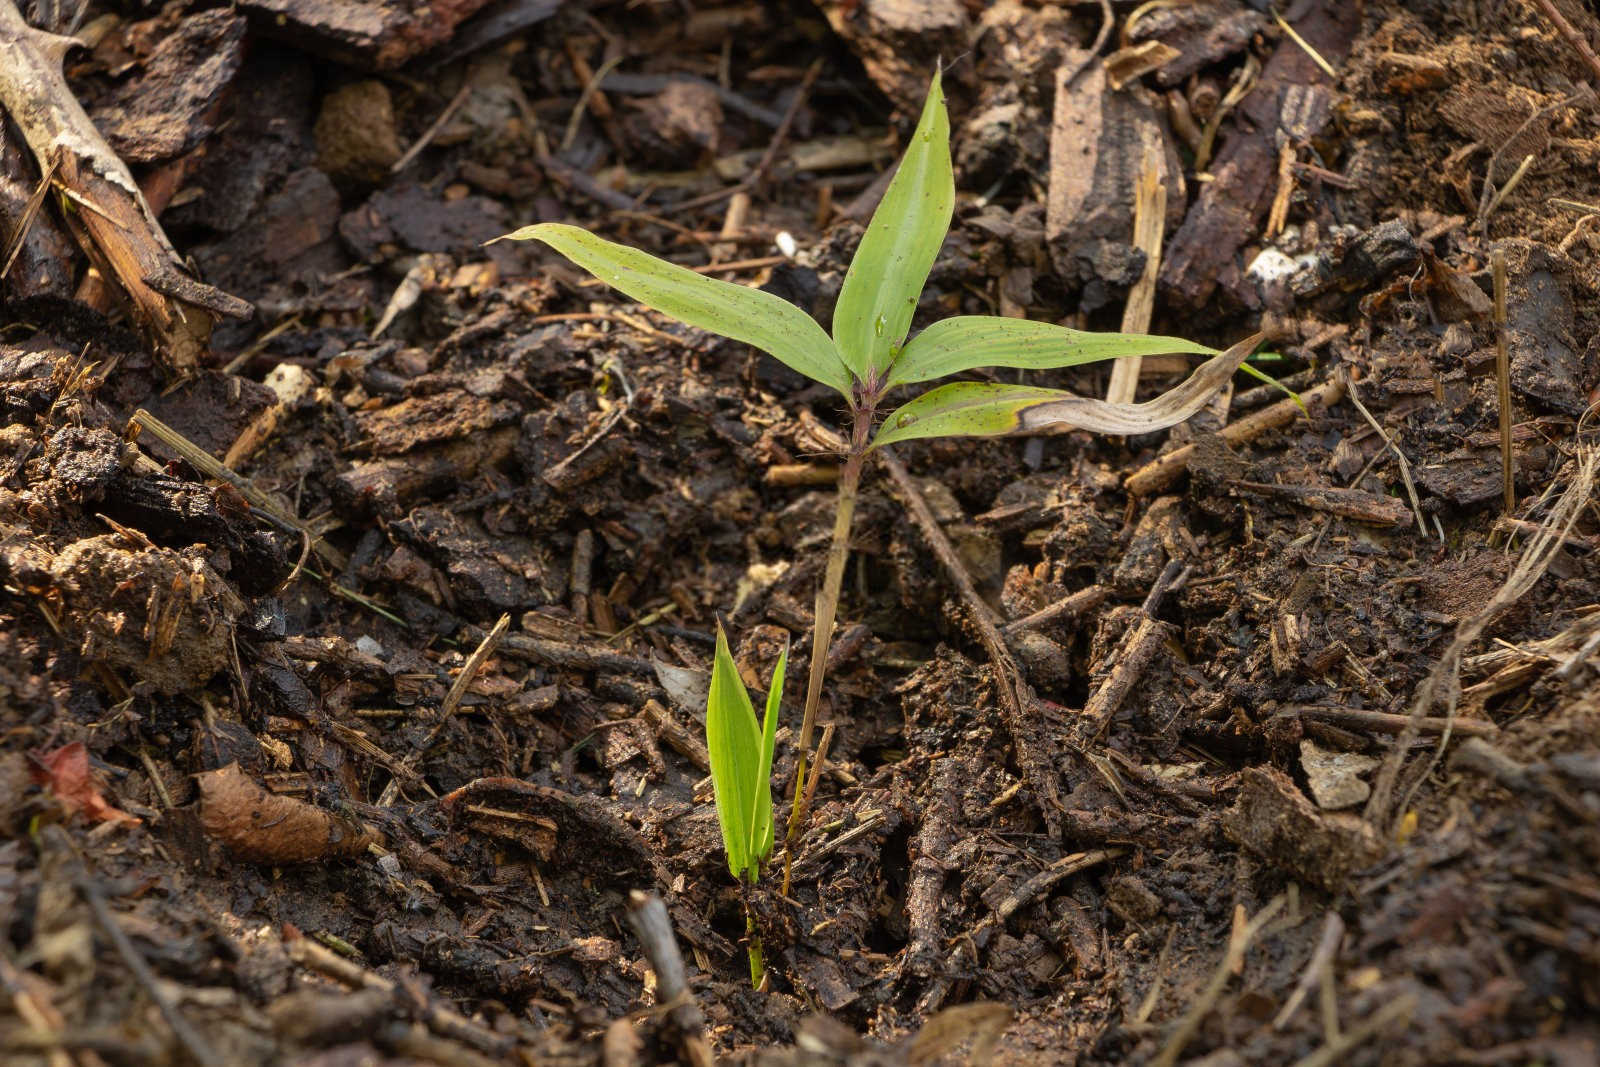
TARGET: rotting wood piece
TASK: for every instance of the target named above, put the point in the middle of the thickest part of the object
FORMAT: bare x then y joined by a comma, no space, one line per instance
1099,143
170,108
898,40
1273,820
1356,504
35,254
1201,34
1290,104
563,655
103,206
925,885
368,34
1132,657
591,835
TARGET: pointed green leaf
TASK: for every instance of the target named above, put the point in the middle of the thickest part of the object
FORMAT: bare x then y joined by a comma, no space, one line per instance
770,323
890,268
975,409
733,741
761,823
970,341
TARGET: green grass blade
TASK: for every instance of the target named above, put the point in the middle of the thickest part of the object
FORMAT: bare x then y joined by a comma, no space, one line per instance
975,409
761,803
1267,379
770,323
733,741
970,341
890,268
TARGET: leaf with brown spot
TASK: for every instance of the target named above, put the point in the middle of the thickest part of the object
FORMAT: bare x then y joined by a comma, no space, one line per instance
978,409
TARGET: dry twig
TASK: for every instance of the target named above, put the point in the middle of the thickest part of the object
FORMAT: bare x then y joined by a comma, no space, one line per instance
1381,1020
647,916
433,128
1327,945
1132,657
1108,18
1149,221
1502,379
1579,43
446,1022
206,464
1163,471
1385,722
193,1043
1400,458
1084,600
1490,196
752,181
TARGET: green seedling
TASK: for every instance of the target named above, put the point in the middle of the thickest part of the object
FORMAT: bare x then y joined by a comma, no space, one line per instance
869,354
741,773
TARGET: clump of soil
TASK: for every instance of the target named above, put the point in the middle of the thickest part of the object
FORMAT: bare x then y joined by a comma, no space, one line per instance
164,617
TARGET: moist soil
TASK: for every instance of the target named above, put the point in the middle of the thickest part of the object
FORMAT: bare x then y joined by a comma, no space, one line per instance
358,757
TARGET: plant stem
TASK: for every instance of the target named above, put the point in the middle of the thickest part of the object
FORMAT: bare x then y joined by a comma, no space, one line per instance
758,968
827,607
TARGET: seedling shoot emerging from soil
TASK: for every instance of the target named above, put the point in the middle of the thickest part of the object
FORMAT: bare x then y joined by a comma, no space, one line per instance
869,355
741,769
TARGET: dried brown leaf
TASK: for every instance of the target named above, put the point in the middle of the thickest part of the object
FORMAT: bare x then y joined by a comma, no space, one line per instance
263,827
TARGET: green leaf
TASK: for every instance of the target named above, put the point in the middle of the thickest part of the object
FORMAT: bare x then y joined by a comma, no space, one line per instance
761,822
890,268
970,341
770,323
963,409
974,409
1267,379
733,740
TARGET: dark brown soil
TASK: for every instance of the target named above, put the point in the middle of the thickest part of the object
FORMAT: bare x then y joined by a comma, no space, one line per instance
1312,778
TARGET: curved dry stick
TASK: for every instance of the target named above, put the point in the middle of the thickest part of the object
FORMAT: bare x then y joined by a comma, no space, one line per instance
647,916
1038,768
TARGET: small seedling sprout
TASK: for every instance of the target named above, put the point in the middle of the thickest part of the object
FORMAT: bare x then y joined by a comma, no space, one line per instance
741,774
868,355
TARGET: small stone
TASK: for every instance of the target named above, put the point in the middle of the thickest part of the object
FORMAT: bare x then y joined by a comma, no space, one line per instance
1335,777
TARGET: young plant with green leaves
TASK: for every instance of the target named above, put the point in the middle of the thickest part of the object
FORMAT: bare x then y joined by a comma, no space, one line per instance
869,354
741,773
